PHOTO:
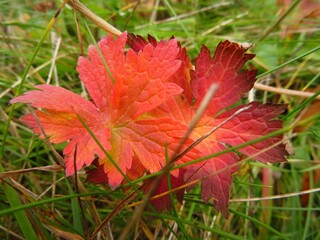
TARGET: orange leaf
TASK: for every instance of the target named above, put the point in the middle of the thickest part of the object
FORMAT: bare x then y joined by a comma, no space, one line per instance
118,115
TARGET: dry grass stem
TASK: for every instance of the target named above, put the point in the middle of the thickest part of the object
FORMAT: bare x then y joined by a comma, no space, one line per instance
288,92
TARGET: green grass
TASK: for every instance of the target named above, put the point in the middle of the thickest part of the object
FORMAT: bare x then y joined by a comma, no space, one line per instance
38,201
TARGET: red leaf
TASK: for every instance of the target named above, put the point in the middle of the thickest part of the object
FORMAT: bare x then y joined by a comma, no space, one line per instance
60,123
95,76
214,185
145,139
224,70
141,79
116,115
97,174
60,100
137,42
164,202
251,124
182,76
142,116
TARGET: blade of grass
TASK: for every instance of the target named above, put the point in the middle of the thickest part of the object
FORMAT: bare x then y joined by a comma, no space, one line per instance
287,195
185,15
47,201
186,235
279,20
194,223
99,51
312,81
21,217
297,109
289,62
76,212
259,223
309,214
166,2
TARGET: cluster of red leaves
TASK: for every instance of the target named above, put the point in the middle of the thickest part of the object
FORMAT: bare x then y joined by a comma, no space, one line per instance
141,117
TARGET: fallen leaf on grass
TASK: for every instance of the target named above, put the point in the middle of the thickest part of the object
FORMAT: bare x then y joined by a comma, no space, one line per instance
141,117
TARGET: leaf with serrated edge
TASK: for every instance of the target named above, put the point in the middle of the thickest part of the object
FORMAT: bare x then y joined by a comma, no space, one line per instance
141,117
118,114
224,69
